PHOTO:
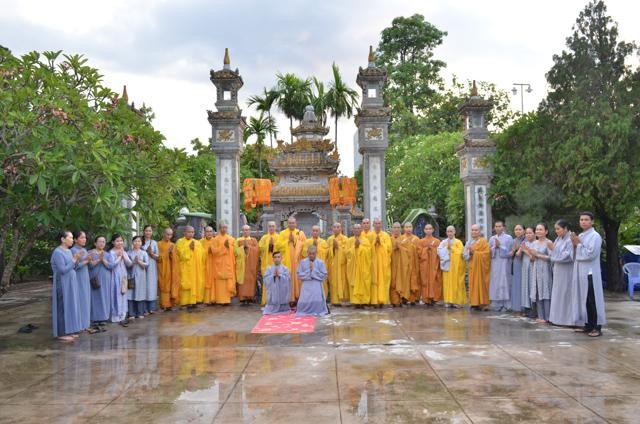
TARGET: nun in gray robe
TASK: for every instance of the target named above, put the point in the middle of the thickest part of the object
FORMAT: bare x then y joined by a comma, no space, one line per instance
500,282
64,296
516,275
138,271
84,287
152,275
526,282
312,272
101,297
586,266
541,280
277,280
562,261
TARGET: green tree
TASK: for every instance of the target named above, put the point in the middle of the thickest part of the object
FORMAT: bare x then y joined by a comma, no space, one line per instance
294,95
318,100
593,102
406,51
341,99
71,150
265,103
423,170
260,127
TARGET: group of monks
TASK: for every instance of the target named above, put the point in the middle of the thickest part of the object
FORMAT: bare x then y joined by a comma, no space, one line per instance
372,267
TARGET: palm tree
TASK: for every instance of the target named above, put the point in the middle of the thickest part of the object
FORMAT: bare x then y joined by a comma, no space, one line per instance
341,99
264,103
319,101
293,95
260,127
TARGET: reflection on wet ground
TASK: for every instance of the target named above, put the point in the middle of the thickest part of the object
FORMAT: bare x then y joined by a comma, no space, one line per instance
374,366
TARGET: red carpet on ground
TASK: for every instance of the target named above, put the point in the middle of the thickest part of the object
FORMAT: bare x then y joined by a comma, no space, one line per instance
285,323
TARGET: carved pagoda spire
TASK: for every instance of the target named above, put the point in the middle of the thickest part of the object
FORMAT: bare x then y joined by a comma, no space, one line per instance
226,62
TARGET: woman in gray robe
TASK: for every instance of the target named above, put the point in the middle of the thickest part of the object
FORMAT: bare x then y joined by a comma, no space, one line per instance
150,246
516,269
277,281
562,262
525,289
82,276
120,261
541,273
138,271
312,272
65,318
100,271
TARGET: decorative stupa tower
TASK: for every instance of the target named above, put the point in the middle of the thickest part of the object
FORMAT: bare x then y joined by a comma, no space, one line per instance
373,138
303,169
227,125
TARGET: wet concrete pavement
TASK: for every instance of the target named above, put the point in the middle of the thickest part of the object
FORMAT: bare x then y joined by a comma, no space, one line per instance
374,366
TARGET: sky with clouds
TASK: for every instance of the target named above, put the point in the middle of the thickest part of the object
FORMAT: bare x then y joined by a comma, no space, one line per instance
163,50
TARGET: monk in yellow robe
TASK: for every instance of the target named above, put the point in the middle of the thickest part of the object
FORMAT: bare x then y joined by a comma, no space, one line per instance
290,243
191,256
209,276
430,273
337,266
322,251
397,292
267,246
168,272
410,263
366,230
224,266
248,248
359,267
454,292
478,253
381,264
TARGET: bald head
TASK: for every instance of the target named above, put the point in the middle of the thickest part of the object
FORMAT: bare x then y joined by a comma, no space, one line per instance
208,232
476,231
246,231
366,224
357,230
189,232
167,234
315,231
291,223
337,228
223,227
408,228
311,252
271,227
377,224
396,229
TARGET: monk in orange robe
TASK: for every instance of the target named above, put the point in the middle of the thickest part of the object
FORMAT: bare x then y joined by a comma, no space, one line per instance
396,291
410,264
478,253
248,247
290,243
168,272
430,273
224,266
209,259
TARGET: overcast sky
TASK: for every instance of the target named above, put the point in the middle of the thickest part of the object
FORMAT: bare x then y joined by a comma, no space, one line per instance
163,50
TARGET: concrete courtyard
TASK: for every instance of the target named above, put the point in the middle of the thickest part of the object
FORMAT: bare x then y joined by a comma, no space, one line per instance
409,365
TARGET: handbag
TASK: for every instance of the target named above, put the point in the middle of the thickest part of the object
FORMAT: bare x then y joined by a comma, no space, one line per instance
123,285
131,283
95,283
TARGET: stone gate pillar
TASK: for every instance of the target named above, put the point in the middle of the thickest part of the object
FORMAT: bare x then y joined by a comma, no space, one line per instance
373,138
476,170
227,125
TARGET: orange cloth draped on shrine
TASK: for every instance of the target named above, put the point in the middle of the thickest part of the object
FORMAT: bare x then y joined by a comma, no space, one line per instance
168,274
257,191
249,247
430,273
224,267
342,191
209,264
410,273
479,267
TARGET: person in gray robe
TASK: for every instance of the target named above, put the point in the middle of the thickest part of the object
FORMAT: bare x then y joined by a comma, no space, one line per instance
138,271
120,261
82,276
562,262
277,281
312,272
588,298
100,272
65,313
150,246
525,282
500,281
516,269
541,273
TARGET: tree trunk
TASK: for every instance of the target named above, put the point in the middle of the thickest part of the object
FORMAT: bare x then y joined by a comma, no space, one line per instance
336,132
18,253
260,157
270,134
290,128
614,275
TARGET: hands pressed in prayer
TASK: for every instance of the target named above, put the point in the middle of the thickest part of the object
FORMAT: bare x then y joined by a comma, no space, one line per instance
291,239
150,250
377,239
277,274
192,245
434,243
77,256
270,244
575,239
357,242
210,250
335,244
171,251
244,244
310,266
496,242
449,244
226,243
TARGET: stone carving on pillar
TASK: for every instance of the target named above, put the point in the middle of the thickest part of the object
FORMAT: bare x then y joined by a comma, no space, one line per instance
227,125
373,138
476,171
